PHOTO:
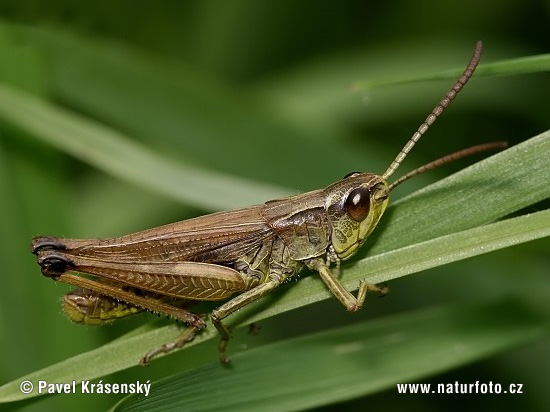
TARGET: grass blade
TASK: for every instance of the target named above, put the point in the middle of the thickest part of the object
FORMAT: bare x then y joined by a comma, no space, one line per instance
116,154
508,67
356,360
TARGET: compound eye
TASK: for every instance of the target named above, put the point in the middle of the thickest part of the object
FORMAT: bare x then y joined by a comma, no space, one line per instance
358,204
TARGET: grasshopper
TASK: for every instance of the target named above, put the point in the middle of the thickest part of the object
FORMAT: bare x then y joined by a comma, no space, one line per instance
234,256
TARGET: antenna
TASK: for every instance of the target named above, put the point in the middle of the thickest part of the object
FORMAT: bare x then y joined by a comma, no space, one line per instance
436,112
448,159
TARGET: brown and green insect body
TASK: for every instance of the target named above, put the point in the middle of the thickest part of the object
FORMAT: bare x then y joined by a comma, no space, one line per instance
235,256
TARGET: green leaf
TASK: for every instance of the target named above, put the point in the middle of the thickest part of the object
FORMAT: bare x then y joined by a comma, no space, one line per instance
344,363
509,67
117,355
178,112
118,155
488,190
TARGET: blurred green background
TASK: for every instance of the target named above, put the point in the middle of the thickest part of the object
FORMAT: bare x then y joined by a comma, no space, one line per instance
260,91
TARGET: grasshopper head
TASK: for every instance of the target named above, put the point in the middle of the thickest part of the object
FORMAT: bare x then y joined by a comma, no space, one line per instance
356,203
354,206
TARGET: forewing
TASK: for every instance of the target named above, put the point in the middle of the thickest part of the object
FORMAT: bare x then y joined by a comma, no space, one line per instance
216,238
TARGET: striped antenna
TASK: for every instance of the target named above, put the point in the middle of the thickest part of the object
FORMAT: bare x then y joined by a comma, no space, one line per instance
448,159
436,112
